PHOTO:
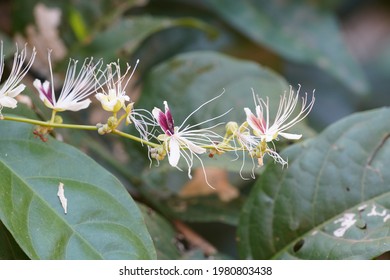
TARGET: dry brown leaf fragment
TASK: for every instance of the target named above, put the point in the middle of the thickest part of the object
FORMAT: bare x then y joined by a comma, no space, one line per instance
218,179
63,199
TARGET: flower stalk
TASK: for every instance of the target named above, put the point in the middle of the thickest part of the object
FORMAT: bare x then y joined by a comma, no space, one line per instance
181,144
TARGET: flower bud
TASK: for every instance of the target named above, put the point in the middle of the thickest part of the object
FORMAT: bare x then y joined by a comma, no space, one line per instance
231,128
112,122
58,119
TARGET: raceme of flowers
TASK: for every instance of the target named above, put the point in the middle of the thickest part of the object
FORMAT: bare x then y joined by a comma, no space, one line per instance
181,144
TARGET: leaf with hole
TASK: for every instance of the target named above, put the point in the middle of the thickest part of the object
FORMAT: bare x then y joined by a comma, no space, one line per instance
333,200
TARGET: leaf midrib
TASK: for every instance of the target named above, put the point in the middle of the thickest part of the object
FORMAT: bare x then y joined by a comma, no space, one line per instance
51,209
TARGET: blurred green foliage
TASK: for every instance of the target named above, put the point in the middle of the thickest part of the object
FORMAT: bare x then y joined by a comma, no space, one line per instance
191,51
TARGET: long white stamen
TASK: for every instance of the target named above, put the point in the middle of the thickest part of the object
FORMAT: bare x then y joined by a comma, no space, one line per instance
201,106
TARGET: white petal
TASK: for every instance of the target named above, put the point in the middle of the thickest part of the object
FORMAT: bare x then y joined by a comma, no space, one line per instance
193,148
16,90
174,152
8,102
46,86
42,88
249,115
74,106
112,93
108,104
100,96
156,113
268,137
38,85
290,135
253,121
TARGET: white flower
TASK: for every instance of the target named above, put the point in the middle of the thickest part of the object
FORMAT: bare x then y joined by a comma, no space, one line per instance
264,132
185,141
283,120
113,99
12,86
76,87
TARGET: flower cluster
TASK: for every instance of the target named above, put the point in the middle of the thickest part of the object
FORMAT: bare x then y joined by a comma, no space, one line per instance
181,144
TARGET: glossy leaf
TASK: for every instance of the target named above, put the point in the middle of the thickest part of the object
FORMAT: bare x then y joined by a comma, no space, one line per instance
332,202
296,31
102,221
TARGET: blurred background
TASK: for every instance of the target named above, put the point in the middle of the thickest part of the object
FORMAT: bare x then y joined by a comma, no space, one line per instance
340,48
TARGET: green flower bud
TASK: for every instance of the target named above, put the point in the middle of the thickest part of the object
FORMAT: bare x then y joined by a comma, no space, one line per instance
112,122
58,119
231,128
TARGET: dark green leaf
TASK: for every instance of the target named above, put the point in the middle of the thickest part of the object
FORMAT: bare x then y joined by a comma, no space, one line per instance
332,202
206,209
102,222
296,31
163,235
10,250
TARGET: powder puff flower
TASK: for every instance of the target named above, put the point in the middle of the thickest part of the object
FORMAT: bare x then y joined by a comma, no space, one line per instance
264,132
12,86
113,99
185,141
261,122
76,87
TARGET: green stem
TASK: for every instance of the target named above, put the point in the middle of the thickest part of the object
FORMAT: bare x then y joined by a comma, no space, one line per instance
135,138
53,116
91,127
49,124
76,126
121,119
